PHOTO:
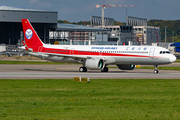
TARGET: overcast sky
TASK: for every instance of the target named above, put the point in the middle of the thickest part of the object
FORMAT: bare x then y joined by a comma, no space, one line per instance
81,10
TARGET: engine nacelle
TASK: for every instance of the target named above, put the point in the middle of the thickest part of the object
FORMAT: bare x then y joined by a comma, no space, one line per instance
95,64
126,66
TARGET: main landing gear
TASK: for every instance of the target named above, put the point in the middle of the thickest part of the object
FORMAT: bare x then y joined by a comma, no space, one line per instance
155,69
105,69
82,69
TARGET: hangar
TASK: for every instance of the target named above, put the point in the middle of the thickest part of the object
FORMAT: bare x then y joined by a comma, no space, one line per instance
11,27
43,21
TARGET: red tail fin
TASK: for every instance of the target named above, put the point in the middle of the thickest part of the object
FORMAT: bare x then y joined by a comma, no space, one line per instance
32,40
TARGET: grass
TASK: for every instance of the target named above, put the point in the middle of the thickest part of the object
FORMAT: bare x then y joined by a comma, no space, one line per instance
97,100
161,68
31,62
177,61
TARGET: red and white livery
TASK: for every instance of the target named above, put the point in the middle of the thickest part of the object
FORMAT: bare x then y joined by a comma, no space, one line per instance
96,57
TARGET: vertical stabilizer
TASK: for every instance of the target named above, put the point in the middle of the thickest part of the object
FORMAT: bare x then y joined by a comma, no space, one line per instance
32,40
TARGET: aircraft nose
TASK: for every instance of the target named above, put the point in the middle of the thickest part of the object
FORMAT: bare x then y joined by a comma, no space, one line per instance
172,58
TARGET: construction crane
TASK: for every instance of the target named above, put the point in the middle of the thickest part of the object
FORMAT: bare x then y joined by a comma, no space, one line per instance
156,35
104,7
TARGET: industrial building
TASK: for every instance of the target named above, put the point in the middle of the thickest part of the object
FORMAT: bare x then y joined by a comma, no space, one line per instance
120,34
74,33
11,26
153,34
134,32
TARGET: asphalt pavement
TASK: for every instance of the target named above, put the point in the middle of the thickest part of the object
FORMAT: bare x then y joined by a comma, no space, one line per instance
12,71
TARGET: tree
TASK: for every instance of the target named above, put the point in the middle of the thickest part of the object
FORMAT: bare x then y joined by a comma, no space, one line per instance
172,26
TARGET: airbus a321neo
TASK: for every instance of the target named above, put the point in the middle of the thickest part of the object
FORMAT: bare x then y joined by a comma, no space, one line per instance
95,57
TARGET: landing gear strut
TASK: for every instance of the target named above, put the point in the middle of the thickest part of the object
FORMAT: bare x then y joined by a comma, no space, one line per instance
155,69
105,69
82,69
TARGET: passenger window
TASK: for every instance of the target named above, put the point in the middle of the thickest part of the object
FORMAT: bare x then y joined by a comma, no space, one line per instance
161,52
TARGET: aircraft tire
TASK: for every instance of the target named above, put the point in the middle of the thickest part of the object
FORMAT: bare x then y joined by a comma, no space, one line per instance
156,71
82,69
105,69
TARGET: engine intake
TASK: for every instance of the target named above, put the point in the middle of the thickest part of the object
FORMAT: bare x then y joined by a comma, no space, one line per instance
126,66
95,64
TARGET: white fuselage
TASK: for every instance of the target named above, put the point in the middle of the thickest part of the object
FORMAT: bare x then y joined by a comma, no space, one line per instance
95,57
141,55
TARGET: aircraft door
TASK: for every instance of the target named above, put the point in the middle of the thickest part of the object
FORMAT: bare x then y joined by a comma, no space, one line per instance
72,51
100,51
151,53
40,50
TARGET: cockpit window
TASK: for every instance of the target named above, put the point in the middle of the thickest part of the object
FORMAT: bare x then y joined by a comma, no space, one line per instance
165,52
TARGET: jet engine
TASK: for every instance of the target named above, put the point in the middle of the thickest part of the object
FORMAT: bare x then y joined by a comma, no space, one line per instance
126,66
95,64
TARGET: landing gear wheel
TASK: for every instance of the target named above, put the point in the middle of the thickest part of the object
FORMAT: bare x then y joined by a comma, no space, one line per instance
156,71
82,69
105,69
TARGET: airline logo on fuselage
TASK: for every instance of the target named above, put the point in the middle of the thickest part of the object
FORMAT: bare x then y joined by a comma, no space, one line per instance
112,48
29,33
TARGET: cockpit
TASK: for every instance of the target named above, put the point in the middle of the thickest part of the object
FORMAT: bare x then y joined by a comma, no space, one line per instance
165,52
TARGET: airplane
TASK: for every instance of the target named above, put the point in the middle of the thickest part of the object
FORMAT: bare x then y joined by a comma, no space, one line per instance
95,57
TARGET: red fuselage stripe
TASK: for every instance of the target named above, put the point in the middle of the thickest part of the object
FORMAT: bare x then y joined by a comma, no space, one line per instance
81,52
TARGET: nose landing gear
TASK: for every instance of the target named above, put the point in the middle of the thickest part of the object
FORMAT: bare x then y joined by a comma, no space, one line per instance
155,69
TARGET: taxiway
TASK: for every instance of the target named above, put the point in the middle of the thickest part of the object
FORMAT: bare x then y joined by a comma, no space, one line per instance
70,71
